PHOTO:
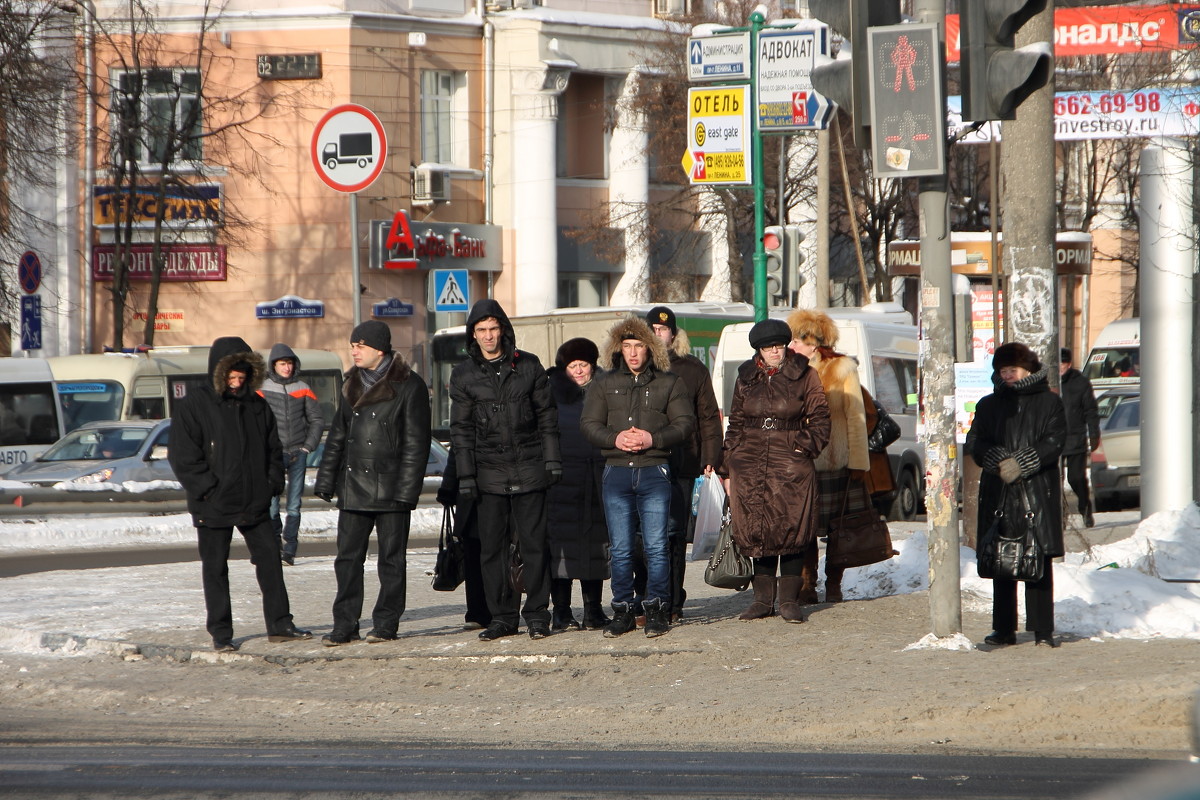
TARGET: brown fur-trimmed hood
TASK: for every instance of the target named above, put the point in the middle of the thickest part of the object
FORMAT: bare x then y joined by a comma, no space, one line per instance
220,372
682,346
808,324
633,328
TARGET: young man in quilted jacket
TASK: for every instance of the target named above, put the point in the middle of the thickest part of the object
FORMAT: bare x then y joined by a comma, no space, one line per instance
299,421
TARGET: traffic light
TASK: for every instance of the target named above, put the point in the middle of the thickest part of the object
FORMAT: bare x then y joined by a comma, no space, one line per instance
774,245
996,78
792,258
847,82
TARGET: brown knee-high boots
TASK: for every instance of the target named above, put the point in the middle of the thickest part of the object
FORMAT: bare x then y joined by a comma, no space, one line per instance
833,584
789,607
764,598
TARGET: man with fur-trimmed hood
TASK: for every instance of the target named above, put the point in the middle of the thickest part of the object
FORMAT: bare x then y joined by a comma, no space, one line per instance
504,432
699,455
225,451
637,413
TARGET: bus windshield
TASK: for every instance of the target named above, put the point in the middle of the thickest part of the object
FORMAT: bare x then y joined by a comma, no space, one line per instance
1113,362
28,414
90,401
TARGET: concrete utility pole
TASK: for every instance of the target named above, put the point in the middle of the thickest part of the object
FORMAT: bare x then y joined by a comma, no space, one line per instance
1167,274
1027,168
937,379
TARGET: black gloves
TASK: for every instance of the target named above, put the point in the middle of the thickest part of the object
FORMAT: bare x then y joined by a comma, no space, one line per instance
326,496
445,496
553,472
468,490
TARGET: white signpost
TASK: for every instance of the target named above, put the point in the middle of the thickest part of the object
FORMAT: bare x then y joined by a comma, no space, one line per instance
724,57
786,100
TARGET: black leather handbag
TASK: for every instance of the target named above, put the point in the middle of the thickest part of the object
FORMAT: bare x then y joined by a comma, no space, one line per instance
1009,548
449,571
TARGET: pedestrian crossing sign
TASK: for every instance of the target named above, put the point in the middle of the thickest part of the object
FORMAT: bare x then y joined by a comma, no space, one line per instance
451,290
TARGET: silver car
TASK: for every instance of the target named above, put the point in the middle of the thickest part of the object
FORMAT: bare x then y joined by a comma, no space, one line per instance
102,453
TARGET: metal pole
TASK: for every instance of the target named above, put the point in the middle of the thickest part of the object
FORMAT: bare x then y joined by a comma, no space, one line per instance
355,291
756,161
937,377
822,254
994,223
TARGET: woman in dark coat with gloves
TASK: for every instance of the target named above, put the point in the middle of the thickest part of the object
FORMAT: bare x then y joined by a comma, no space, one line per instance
778,424
574,506
1017,438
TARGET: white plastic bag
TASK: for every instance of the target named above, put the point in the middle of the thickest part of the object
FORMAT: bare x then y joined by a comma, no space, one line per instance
709,513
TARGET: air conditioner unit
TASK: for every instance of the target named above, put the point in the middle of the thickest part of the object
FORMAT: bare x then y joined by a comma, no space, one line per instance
431,184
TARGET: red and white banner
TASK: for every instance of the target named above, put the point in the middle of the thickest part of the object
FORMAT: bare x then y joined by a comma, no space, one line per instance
1106,30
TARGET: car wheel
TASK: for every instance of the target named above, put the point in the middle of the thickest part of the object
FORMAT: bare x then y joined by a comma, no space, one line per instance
331,163
362,163
908,497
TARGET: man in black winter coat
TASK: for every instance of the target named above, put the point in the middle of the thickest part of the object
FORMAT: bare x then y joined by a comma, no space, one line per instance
504,435
225,451
1083,431
699,455
375,457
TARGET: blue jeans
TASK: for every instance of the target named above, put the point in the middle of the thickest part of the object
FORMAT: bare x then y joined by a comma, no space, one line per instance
639,498
293,468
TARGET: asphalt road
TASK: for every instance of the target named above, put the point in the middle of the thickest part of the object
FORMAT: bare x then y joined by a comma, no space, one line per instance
44,771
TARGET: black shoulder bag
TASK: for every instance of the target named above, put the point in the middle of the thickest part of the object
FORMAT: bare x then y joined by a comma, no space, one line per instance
1009,548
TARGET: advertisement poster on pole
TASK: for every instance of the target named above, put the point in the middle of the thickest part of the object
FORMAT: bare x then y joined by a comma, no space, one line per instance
786,100
718,136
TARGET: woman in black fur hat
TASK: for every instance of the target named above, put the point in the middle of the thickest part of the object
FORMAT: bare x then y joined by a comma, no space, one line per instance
1017,438
574,506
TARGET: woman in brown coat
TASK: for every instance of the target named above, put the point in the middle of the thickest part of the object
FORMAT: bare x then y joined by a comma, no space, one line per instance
778,423
842,466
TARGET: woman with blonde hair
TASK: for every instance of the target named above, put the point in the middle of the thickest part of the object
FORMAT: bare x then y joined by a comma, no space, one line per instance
844,462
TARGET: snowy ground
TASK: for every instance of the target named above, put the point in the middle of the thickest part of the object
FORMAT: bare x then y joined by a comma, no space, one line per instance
1136,588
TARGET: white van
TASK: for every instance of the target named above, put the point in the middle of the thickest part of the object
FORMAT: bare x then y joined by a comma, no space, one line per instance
30,414
1116,357
882,338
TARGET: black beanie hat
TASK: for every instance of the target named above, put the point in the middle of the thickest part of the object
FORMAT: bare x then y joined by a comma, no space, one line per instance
769,332
1015,354
1065,356
661,315
579,349
373,333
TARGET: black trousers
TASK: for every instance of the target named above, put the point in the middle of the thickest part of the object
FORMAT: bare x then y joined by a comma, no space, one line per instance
523,517
268,568
353,537
1039,603
1076,468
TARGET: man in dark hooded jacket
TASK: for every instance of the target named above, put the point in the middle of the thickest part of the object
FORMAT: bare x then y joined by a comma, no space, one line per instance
504,432
374,462
298,418
225,451
1083,431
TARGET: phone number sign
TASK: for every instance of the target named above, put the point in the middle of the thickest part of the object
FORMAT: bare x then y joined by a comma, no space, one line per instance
718,149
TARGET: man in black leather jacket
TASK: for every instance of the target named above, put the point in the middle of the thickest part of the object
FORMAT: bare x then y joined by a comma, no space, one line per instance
225,451
375,457
504,436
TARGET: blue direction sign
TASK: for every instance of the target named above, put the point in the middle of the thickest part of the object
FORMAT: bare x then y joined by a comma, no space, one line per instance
392,307
451,292
31,322
289,307
724,57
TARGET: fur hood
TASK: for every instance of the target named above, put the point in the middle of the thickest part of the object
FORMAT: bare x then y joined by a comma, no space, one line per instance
682,346
633,328
808,324
220,369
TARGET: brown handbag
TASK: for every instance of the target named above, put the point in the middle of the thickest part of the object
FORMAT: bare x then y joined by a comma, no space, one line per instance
858,539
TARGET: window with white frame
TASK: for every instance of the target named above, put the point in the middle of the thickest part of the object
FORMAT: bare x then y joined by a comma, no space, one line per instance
158,116
443,120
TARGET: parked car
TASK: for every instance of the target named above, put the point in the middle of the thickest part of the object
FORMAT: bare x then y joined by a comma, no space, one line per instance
102,452
1117,463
